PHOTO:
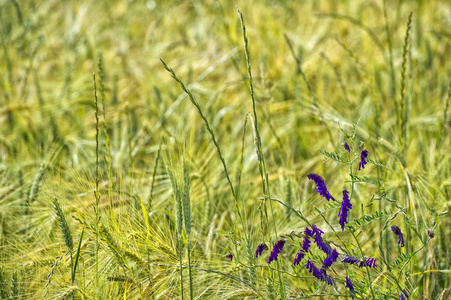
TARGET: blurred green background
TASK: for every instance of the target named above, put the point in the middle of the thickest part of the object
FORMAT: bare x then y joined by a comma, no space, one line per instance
358,72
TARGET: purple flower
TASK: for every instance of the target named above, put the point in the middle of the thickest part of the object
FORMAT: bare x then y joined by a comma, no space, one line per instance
320,274
329,280
349,260
321,244
349,284
277,248
398,232
363,156
299,257
320,186
316,233
306,244
331,258
309,232
305,247
404,293
316,230
370,262
314,270
260,248
228,256
431,234
346,206
346,146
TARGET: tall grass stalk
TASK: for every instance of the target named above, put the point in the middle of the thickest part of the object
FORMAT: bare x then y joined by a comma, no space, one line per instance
390,53
96,193
187,218
108,157
261,159
403,117
207,126
154,174
179,221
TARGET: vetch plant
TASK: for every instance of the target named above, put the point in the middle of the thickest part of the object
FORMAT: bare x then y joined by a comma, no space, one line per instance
332,260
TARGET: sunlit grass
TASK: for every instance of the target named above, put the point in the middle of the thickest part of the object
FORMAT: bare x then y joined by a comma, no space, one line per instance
318,68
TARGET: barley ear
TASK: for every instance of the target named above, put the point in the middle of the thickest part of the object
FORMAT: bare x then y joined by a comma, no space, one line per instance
178,202
61,218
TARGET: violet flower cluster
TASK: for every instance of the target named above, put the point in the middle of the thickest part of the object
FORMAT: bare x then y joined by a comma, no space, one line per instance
349,284
332,255
228,256
320,186
320,274
305,246
398,232
346,206
277,248
370,262
404,293
331,258
260,248
363,157
346,146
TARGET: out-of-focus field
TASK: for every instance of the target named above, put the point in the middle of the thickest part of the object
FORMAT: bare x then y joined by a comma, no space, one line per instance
348,65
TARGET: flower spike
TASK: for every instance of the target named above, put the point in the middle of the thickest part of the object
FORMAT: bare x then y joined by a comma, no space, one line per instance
277,248
320,186
260,248
363,157
346,206
346,146
398,232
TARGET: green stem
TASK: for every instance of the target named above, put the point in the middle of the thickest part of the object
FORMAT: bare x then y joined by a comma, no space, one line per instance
181,268
97,196
189,270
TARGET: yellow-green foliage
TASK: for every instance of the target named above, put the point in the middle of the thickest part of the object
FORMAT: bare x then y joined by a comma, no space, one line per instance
317,67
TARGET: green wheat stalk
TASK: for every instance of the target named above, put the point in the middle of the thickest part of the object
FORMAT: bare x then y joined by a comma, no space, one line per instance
96,193
108,157
68,240
402,117
187,217
179,222
261,159
207,126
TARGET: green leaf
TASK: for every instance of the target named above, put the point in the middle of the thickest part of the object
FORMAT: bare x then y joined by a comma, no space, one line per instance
376,163
365,219
334,156
367,179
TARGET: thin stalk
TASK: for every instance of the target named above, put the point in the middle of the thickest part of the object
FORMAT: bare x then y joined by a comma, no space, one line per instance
108,157
402,115
179,238
262,165
179,221
153,177
72,275
207,126
96,194
189,271
390,53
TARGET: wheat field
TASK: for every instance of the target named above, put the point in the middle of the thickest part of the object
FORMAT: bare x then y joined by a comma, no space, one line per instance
148,149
